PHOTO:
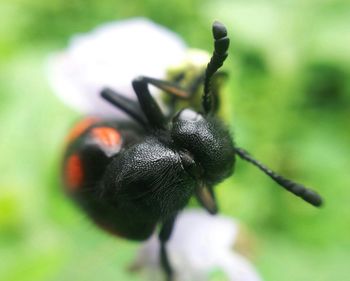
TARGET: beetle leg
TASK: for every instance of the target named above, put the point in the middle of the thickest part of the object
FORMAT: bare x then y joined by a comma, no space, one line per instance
171,88
129,106
149,106
164,235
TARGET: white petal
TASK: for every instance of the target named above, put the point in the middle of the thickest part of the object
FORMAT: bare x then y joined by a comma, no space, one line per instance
200,243
237,268
111,56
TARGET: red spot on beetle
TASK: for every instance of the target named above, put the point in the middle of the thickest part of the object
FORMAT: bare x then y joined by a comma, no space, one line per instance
73,173
108,137
81,127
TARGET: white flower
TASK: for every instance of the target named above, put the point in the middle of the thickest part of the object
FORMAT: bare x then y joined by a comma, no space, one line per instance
111,56
200,243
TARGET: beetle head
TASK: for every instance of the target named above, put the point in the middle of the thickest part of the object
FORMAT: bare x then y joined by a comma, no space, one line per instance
205,140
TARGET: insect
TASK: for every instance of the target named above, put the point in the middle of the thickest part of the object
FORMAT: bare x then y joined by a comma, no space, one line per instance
131,176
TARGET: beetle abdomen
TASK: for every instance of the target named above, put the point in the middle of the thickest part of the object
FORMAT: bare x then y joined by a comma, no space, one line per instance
93,144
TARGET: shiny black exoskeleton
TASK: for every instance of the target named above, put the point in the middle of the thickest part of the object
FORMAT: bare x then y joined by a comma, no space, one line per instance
131,176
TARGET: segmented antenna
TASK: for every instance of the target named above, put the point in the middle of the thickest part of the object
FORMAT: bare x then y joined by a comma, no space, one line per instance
306,194
221,45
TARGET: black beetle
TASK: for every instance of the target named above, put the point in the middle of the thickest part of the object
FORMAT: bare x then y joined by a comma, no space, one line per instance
131,176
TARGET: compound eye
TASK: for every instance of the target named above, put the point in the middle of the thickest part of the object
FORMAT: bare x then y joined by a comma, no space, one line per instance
190,165
188,115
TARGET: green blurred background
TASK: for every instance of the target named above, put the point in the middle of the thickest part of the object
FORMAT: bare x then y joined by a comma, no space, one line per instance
289,94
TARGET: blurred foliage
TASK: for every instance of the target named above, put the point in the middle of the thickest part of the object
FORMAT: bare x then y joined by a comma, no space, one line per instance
289,96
